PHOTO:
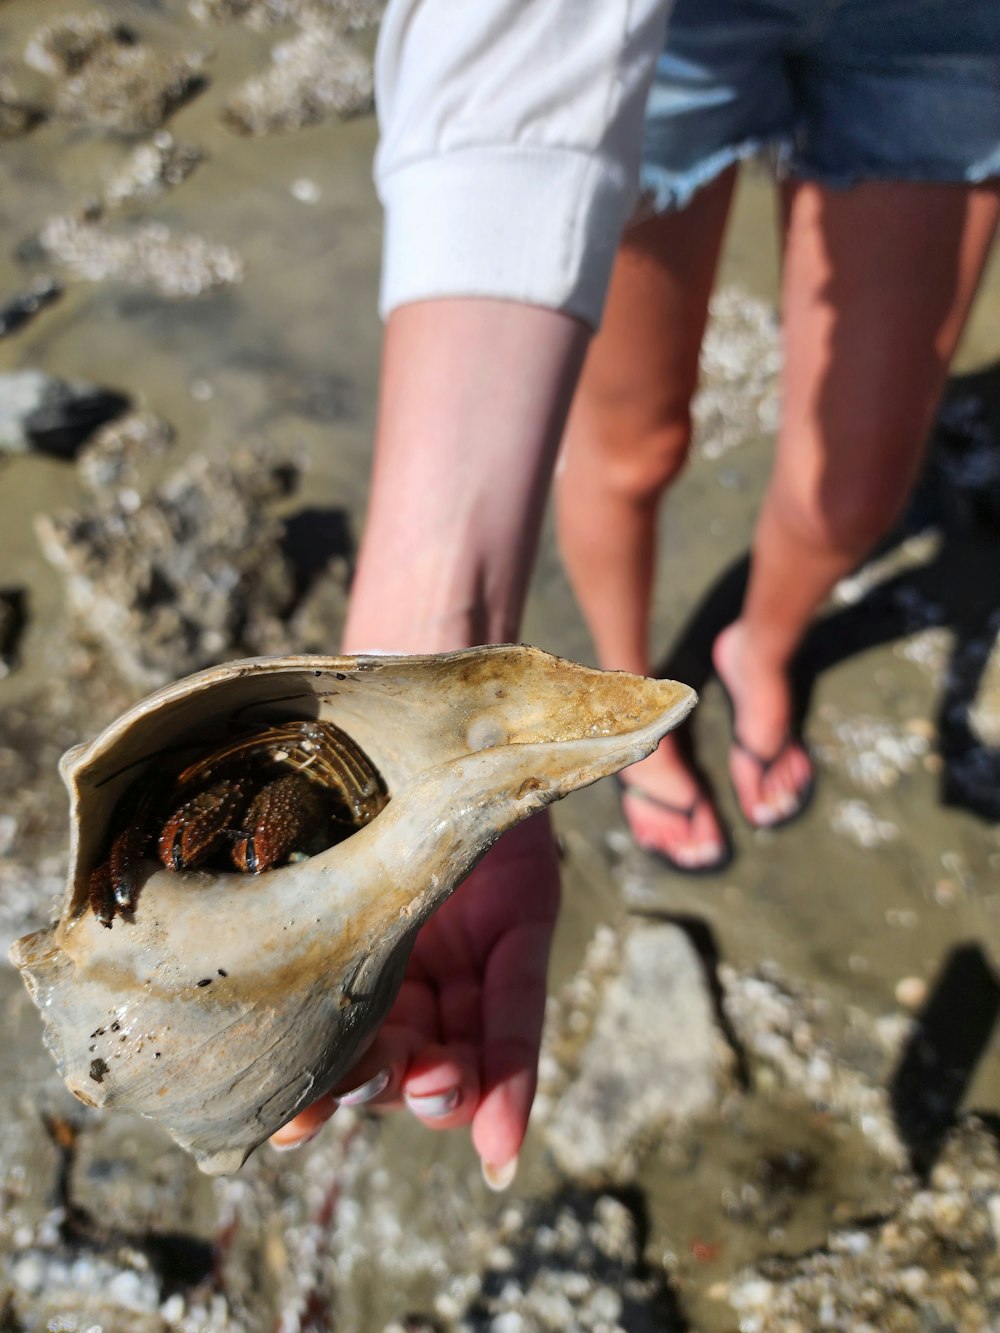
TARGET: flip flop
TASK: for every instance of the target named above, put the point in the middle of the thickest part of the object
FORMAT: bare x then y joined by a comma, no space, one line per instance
764,765
686,812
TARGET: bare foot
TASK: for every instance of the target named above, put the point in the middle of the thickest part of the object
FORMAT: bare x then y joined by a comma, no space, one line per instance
669,814
770,771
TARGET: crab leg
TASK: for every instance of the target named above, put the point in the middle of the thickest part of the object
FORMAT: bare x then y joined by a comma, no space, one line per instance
101,895
339,762
135,823
283,814
313,774
320,751
199,826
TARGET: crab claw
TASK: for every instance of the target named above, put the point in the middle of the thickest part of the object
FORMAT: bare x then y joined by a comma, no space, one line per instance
281,817
202,824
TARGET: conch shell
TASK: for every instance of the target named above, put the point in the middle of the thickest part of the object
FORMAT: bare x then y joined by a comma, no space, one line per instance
304,960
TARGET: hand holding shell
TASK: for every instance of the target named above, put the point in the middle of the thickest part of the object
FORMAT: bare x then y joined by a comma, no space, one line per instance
221,1004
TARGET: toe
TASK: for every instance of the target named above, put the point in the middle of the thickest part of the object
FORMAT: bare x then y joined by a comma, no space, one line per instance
694,841
776,794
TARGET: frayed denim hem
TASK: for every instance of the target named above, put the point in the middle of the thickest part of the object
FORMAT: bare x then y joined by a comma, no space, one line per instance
664,191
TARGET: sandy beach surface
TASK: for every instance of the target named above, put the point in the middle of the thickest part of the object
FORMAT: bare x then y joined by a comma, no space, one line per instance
769,1100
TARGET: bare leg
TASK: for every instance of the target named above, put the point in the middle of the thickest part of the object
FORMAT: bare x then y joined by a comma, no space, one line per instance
626,441
878,281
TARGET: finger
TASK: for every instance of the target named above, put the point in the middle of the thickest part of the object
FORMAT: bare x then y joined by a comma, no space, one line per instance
415,1006
376,1078
521,886
501,1119
374,1081
441,949
460,1011
305,1126
513,1010
441,1086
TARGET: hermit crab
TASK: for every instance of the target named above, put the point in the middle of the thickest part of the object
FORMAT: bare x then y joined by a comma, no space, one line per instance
220,1003
264,794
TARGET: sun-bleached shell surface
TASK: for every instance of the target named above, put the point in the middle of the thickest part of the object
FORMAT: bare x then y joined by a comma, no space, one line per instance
228,1002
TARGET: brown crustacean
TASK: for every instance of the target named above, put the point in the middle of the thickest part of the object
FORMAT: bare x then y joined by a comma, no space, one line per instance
254,800
221,1003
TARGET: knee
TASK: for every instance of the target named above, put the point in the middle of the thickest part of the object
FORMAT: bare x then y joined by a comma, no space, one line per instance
848,516
646,457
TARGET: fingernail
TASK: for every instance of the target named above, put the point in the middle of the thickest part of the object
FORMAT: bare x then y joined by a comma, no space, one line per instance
436,1105
295,1143
366,1091
499,1178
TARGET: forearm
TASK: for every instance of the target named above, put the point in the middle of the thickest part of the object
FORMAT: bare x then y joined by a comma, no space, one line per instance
508,163
474,394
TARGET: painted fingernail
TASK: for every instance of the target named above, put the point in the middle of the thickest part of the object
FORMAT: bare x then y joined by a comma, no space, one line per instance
365,1091
295,1143
436,1105
499,1178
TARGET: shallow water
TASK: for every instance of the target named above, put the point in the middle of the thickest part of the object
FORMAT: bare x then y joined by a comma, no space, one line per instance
290,356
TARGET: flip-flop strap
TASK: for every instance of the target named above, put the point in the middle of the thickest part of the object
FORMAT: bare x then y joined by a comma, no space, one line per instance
763,763
685,811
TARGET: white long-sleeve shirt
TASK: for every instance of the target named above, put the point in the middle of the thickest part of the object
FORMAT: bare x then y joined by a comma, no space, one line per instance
509,153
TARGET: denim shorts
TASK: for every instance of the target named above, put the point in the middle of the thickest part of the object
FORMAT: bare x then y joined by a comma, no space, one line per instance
839,91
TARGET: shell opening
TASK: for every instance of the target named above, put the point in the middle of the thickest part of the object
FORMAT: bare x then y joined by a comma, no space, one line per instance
273,793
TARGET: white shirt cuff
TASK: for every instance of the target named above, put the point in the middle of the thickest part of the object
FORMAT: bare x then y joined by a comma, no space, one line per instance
517,222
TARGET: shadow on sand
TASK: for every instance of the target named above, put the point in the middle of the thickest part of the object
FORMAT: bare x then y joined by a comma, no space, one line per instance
957,500
937,1064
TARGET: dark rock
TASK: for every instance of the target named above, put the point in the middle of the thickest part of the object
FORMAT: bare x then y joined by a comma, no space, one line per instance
573,1262
13,616
52,416
21,308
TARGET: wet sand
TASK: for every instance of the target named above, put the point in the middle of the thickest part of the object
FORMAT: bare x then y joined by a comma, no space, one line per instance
289,356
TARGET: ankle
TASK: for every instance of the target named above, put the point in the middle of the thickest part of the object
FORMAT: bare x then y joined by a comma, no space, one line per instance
741,653
665,770
728,652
